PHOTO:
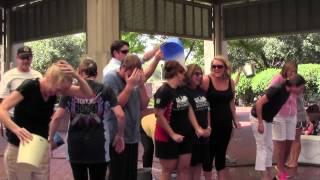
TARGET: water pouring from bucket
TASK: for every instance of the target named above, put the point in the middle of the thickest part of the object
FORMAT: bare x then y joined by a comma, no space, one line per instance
173,50
31,154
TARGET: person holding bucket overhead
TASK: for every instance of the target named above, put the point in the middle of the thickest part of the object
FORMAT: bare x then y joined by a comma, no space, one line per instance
34,104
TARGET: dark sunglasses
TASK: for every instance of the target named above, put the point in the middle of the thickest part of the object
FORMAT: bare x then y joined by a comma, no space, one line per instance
124,51
217,66
25,57
197,73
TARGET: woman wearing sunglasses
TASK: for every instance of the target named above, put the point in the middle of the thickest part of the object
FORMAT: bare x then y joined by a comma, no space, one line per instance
219,88
200,106
175,117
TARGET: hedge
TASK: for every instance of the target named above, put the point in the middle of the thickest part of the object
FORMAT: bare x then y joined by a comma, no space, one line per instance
261,80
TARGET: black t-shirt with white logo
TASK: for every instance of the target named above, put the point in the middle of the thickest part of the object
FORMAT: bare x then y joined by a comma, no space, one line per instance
277,96
88,133
201,107
176,105
33,112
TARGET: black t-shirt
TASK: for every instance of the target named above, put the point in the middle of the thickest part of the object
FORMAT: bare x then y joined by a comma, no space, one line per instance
32,113
277,96
88,134
176,105
200,105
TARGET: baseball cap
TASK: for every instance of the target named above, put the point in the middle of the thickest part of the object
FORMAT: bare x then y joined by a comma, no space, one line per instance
24,51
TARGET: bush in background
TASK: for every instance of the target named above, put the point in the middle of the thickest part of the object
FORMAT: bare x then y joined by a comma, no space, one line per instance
261,80
244,91
311,74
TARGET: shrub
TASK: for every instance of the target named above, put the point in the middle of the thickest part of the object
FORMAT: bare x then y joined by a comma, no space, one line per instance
243,89
261,80
311,74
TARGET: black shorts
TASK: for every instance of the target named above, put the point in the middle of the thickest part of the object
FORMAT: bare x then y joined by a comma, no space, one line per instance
172,150
200,154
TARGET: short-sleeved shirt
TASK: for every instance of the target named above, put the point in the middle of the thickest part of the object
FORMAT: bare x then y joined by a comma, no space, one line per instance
12,79
200,106
33,112
175,102
88,133
277,97
114,64
131,109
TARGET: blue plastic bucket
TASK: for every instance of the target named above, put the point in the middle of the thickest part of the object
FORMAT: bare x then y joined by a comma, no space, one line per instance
172,48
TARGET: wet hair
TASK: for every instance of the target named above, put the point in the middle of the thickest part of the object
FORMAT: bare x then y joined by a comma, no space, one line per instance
296,81
55,75
226,64
130,62
88,66
191,68
172,68
286,67
117,45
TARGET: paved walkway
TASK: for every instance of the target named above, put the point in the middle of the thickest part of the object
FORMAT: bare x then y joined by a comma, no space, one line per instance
242,148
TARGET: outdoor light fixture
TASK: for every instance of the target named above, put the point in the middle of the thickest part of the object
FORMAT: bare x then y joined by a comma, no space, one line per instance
248,69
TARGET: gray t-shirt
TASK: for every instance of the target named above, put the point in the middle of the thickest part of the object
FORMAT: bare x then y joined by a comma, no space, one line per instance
131,109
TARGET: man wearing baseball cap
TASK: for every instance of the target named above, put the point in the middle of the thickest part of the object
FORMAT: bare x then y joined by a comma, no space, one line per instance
9,82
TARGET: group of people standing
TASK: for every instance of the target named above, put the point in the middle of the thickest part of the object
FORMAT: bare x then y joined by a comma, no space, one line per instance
104,125
195,115
190,130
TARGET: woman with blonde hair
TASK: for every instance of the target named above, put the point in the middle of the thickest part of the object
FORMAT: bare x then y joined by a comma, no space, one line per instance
34,103
220,93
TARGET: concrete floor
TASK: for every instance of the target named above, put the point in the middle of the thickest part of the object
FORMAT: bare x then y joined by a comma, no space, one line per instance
242,148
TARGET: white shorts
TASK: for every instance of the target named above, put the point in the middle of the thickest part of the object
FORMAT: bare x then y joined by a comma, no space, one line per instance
284,128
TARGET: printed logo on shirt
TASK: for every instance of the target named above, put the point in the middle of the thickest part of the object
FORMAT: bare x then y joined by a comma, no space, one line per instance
87,111
182,102
201,103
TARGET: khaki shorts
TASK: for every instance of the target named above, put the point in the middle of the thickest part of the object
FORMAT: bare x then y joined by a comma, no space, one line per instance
15,172
284,128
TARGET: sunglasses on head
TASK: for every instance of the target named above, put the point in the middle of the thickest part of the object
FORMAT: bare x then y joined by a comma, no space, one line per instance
197,73
124,51
217,66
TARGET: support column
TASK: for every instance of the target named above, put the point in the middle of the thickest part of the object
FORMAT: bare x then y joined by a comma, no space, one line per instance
217,29
102,30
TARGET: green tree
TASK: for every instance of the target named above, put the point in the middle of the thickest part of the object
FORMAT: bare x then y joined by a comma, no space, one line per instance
136,41
71,47
273,51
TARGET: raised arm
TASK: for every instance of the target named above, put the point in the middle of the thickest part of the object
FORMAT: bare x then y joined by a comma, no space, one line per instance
83,89
152,67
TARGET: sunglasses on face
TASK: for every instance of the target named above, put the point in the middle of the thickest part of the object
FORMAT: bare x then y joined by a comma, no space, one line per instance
197,74
217,66
124,51
25,57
